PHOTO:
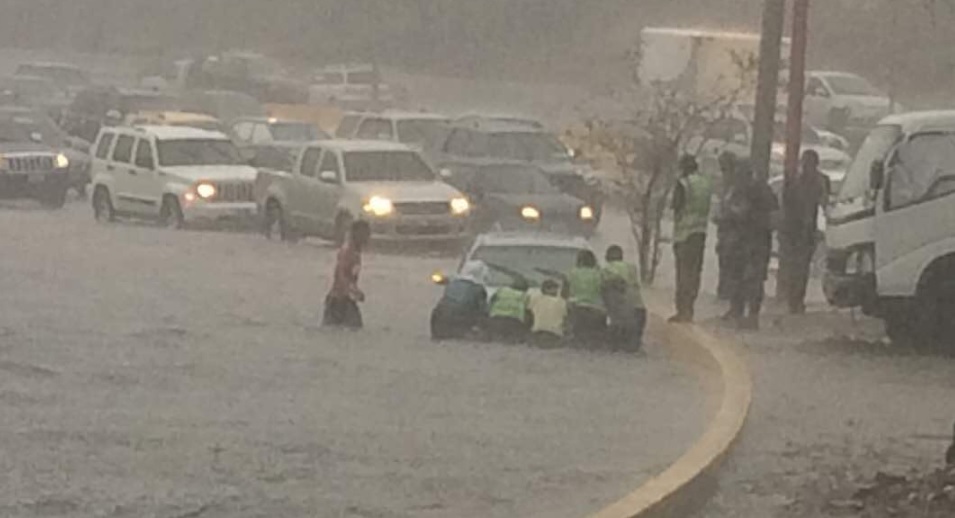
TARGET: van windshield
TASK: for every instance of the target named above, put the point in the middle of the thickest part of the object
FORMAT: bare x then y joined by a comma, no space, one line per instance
386,166
875,147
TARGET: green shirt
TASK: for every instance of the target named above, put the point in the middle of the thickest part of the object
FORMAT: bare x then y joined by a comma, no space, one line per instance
619,271
585,287
509,303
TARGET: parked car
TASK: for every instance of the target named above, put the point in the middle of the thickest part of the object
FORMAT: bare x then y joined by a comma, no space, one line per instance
336,182
423,130
351,86
99,106
29,168
254,74
487,142
891,230
69,78
254,131
225,105
175,175
529,255
37,92
516,196
516,120
43,130
840,101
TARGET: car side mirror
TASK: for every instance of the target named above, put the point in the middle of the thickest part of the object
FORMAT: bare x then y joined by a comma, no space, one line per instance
876,175
328,176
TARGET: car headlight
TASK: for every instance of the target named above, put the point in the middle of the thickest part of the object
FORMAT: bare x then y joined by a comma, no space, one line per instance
460,206
586,213
62,162
379,206
530,213
206,190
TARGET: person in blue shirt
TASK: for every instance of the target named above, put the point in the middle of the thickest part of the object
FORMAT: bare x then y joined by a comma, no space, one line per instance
463,307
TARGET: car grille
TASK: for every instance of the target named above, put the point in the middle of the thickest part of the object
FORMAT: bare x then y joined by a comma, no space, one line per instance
426,230
234,192
428,208
28,163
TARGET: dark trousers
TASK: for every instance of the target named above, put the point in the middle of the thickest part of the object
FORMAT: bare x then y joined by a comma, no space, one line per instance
748,272
689,269
801,264
723,289
341,312
587,324
448,322
628,334
504,329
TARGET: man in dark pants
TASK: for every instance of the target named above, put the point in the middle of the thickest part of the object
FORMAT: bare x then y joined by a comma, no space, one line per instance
809,194
691,216
750,210
728,164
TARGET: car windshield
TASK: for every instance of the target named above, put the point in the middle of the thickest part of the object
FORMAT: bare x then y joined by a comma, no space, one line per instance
185,152
530,147
296,132
422,131
526,260
37,125
515,180
386,166
875,148
11,131
852,85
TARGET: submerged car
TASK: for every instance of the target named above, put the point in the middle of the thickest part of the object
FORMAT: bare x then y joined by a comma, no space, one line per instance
175,175
336,182
29,168
514,196
43,130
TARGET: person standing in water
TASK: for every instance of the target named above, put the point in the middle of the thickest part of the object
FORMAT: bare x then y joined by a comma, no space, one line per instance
341,303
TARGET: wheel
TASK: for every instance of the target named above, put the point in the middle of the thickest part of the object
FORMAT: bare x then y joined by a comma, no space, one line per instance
52,194
103,206
342,224
275,225
170,215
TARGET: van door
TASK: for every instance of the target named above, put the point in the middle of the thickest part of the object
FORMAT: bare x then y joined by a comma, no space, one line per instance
118,167
327,192
917,213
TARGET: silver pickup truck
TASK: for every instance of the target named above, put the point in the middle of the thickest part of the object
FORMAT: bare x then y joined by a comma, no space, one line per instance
320,188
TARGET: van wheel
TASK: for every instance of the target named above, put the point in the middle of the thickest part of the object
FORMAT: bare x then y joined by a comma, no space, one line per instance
170,214
342,224
275,226
103,206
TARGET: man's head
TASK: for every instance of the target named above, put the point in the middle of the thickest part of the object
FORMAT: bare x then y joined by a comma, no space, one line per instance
360,233
614,253
520,284
727,161
810,161
586,259
550,287
744,172
688,165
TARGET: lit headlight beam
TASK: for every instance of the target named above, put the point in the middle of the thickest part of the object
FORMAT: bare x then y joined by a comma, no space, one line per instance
530,213
206,190
586,213
62,162
379,206
460,206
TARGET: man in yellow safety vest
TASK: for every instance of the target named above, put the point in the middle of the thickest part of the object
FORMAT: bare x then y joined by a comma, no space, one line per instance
691,213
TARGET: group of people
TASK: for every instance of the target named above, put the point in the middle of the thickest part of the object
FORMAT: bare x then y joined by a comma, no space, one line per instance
747,216
589,304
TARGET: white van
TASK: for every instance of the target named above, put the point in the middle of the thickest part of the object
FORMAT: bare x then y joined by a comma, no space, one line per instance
891,229
173,174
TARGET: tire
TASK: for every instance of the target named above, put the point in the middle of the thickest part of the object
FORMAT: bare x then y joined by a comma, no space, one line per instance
103,206
342,224
52,194
170,214
275,225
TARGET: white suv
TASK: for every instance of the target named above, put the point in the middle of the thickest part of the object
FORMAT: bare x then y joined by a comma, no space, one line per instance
173,174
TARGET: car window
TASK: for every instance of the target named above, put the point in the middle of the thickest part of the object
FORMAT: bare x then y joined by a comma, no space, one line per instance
514,180
510,261
330,163
815,88
261,134
296,132
875,148
277,158
422,132
105,141
852,85
243,131
375,129
457,143
123,151
922,168
386,166
310,161
346,128
196,152
144,154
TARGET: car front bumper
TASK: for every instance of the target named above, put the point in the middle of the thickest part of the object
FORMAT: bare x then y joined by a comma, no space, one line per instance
243,212
407,228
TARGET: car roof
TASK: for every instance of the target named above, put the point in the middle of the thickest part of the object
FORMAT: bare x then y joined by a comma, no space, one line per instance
541,239
271,120
498,126
345,145
178,132
922,120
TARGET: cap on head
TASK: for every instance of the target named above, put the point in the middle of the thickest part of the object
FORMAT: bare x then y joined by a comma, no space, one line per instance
586,259
614,253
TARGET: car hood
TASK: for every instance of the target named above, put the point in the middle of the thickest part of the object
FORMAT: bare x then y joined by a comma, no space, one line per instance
213,173
25,147
546,203
405,191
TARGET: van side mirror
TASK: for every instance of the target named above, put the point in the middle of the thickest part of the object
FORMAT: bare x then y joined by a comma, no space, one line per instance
328,176
877,175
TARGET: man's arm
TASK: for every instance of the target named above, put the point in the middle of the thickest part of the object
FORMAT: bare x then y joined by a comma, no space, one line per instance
679,198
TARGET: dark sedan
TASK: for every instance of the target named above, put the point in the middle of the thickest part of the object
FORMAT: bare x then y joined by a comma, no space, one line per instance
521,197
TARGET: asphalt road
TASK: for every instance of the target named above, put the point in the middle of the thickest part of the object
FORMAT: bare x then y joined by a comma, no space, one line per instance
150,372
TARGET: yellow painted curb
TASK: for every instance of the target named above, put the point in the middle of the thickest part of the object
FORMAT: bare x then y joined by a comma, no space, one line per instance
668,493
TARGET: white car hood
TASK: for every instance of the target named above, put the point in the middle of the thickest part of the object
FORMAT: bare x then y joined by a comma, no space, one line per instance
405,191
213,173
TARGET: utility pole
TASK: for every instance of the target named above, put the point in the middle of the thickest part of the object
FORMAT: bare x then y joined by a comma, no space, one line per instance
774,15
797,90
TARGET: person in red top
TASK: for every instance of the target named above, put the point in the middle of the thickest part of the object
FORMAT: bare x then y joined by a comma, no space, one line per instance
341,303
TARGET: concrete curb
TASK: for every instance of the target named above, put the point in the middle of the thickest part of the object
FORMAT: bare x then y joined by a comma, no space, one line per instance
681,488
